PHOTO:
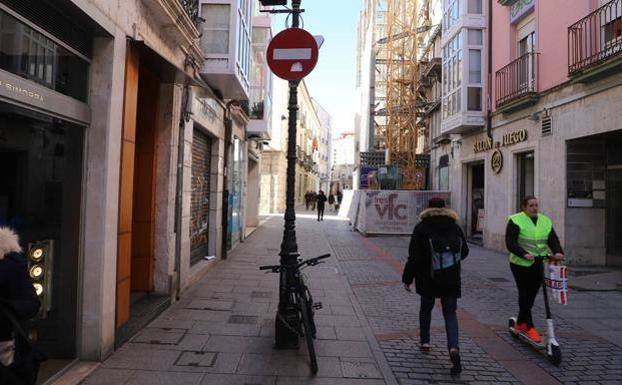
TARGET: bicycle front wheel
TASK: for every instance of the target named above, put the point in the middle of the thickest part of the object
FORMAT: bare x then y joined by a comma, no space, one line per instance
307,324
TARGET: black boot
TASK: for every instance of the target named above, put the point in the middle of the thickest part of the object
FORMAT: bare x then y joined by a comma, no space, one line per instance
454,356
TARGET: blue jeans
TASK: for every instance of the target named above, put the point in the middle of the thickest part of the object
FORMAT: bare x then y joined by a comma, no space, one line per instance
450,305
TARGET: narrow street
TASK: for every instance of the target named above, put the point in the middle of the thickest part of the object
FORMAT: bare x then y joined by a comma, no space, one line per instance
221,331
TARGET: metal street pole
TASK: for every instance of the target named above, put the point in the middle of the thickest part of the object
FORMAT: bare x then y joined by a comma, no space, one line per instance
287,314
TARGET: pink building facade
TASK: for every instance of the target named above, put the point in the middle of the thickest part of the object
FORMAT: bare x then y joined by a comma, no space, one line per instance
553,123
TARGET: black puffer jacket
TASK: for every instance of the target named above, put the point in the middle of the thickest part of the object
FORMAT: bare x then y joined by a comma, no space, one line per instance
440,225
16,290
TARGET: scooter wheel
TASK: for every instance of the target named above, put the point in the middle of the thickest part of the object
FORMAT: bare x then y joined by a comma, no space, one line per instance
511,326
556,355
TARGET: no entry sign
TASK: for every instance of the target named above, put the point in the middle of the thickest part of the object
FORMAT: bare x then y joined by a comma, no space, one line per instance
292,54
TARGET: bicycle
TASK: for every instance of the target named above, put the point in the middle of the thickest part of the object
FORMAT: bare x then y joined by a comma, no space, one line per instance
301,298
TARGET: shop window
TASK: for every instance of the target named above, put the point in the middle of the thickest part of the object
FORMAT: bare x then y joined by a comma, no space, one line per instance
585,168
41,162
37,57
216,28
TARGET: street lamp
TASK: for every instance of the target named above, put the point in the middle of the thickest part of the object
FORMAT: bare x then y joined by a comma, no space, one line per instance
287,313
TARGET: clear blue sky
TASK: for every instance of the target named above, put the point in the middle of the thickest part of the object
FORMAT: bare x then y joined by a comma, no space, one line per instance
332,82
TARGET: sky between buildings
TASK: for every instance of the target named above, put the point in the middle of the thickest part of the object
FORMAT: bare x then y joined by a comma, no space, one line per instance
332,82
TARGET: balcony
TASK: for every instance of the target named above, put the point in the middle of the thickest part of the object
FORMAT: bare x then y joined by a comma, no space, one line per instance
595,43
180,18
226,42
517,83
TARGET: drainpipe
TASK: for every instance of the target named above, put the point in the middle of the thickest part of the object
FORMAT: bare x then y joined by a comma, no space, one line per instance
489,112
184,118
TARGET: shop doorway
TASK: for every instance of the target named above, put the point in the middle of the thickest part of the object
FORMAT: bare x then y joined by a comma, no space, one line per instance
475,203
41,166
614,200
136,303
525,177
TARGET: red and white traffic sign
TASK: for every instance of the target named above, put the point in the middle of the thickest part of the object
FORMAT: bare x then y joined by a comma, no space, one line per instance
292,54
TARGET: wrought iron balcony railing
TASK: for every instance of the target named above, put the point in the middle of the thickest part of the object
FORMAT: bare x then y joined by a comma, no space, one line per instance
595,38
517,80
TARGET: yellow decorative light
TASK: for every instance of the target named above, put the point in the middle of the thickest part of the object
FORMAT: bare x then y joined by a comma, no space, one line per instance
37,254
36,271
38,288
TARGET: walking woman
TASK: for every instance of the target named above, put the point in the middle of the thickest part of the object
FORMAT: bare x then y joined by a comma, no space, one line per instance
437,247
321,200
529,236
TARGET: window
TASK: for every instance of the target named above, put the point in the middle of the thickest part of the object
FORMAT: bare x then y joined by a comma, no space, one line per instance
443,173
452,76
474,99
475,6
475,66
35,56
452,13
585,167
475,37
216,28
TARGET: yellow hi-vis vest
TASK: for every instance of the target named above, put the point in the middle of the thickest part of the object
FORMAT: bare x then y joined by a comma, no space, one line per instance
532,238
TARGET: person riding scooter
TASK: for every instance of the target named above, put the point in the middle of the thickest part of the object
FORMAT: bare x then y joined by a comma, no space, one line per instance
529,236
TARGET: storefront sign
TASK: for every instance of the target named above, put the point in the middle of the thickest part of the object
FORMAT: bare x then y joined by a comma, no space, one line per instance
520,8
496,161
14,88
392,211
508,139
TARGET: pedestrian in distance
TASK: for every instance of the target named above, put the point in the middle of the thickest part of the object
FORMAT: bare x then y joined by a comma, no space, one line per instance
437,247
321,200
18,303
307,199
529,237
313,200
331,200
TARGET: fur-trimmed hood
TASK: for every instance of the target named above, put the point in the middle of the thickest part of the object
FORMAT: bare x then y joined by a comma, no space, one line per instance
9,242
439,212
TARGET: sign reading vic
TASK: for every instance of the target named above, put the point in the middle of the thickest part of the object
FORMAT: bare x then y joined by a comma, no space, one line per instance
292,54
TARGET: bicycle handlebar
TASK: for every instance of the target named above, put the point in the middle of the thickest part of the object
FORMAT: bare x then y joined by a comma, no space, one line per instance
308,262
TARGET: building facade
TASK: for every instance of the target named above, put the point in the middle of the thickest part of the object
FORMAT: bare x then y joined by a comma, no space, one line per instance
117,133
311,150
554,127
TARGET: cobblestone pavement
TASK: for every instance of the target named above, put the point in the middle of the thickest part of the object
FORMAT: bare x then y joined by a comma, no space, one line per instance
221,332
588,327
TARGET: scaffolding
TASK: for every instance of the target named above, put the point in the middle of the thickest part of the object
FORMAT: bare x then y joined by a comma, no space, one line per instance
397,74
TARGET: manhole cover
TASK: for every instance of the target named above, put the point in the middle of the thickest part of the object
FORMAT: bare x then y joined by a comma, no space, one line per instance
243,319
261,294
197,359
498,279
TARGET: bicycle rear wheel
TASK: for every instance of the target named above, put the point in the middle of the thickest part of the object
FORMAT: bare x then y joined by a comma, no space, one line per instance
307,324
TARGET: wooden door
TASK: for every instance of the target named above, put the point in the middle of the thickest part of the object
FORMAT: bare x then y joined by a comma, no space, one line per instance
126,186
143,223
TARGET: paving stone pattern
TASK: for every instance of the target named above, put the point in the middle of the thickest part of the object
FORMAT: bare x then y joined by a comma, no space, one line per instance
222,330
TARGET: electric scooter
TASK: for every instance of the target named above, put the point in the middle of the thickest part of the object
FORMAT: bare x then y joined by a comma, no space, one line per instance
551,347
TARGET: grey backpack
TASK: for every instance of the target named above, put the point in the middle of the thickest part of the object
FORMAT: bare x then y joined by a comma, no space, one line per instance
444,258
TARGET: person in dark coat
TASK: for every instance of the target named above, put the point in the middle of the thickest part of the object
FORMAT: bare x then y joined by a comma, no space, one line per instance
437,234
331,200
321,201
16,291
